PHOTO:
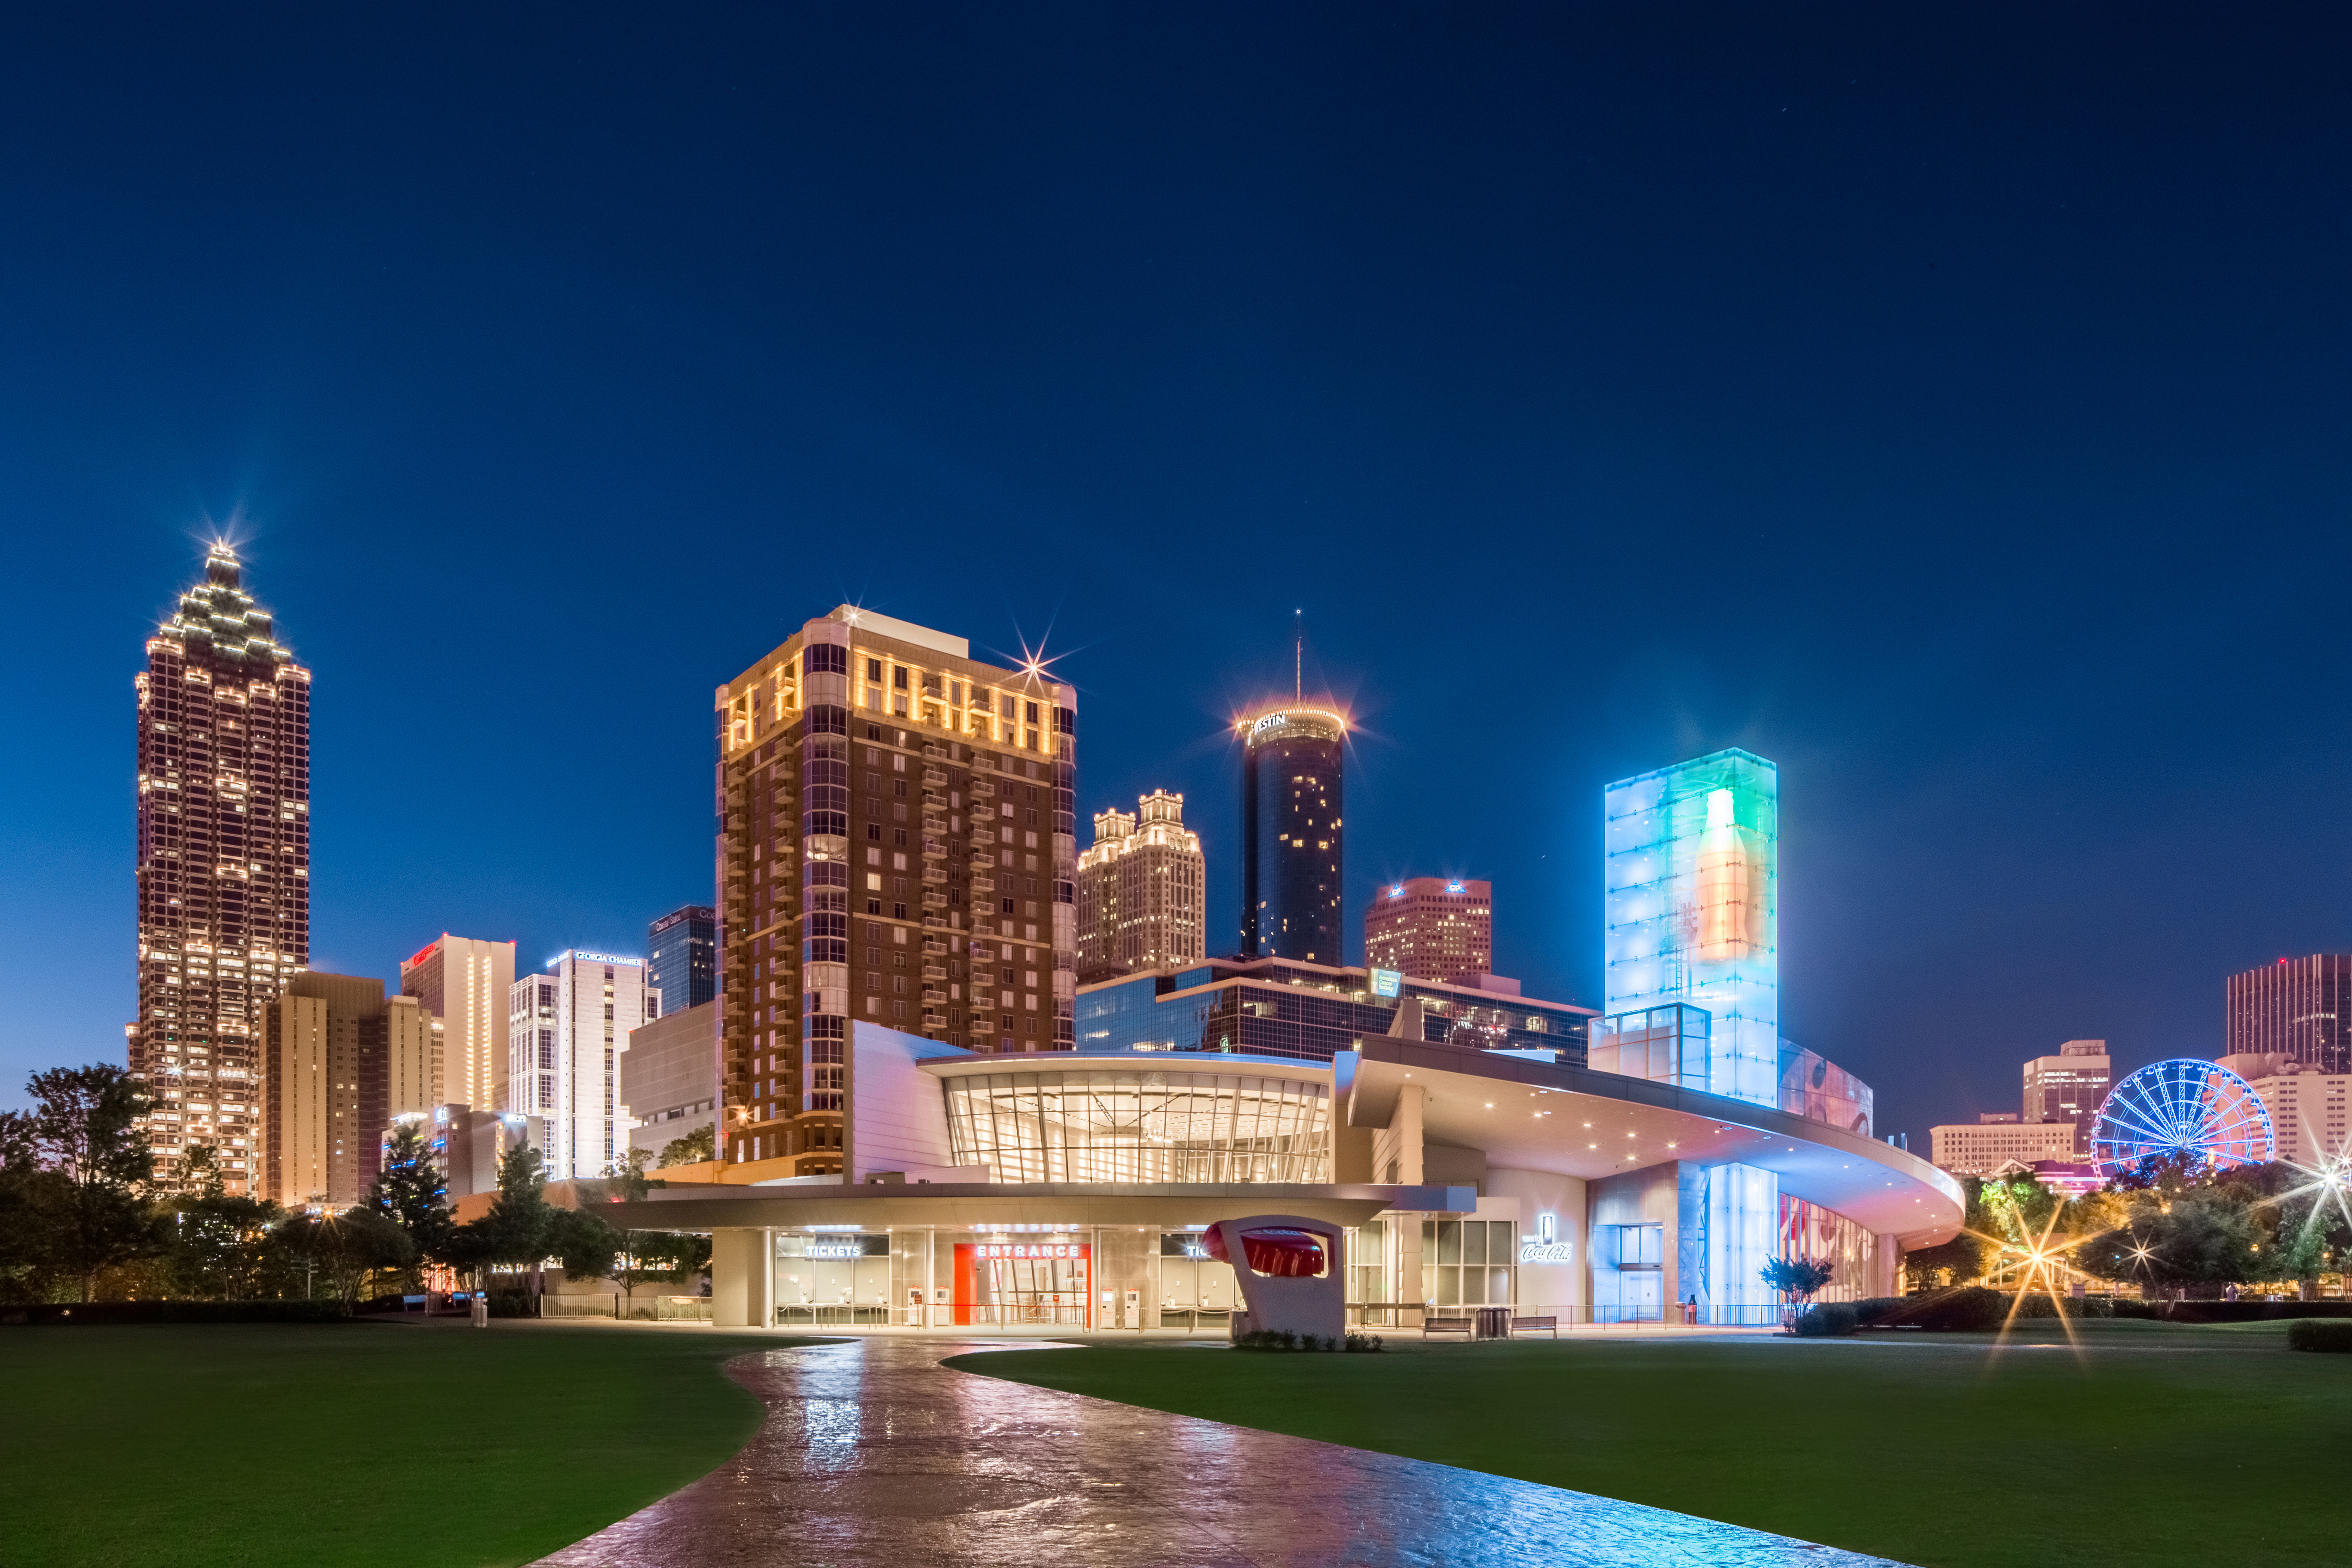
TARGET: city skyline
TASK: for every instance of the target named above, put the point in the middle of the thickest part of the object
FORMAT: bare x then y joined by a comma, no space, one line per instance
1917,349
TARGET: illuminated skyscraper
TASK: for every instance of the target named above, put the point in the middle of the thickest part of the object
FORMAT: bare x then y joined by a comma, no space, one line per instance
224,868
2298,1009
1432,927
1291,812
2069,1087
897,843
463,982
565,1032
1692,915
1140,887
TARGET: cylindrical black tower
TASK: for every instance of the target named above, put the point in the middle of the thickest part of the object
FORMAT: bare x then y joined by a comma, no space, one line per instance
1290,833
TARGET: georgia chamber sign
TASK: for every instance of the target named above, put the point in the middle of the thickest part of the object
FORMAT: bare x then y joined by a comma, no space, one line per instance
1388,983
1543,1246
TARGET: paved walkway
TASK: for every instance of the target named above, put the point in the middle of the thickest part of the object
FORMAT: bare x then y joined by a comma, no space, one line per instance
873,1455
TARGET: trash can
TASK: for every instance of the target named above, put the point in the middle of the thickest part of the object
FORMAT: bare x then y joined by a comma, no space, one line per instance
1494,1324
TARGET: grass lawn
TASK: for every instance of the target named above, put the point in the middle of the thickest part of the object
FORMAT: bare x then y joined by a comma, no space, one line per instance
350,1444
2163,1445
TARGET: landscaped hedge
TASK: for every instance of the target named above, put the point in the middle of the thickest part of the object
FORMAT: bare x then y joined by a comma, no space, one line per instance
2248,1311
91,1312
2320,1334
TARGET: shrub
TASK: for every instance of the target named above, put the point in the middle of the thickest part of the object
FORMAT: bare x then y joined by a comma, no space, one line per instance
510,1304
2320,1334
1872,1313
1363,1344
1972,1308
1284,1339
1826,1319
89,1313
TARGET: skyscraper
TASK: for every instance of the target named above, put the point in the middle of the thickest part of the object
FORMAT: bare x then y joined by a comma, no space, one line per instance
682,952
1291,813
2299,1010
565,1031
1693,917
223,862
2069,1087
1432,927
1142,886
463,982
896,842
340,1061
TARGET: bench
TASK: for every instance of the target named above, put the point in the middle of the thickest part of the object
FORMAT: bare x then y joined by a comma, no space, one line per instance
1466,1327
1549,1322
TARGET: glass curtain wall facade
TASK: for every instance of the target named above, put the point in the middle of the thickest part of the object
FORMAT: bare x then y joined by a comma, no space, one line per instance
1141,1127
1691,911
1257,1010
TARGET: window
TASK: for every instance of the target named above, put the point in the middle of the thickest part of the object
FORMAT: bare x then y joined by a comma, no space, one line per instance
1029,715
899,678
873,669
898,786
874,831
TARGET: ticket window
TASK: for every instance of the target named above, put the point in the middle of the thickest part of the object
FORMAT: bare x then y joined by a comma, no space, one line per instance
1194,1287
831,1277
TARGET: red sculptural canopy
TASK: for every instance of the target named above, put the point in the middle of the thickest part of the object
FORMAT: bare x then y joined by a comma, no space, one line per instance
1276,1250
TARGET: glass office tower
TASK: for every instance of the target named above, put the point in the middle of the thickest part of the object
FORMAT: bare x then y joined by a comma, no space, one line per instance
1692,915
1290,833
682,954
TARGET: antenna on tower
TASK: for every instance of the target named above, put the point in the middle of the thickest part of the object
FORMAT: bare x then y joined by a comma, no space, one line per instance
1298,657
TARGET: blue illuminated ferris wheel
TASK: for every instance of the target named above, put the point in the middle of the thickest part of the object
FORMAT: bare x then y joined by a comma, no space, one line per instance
2184,1105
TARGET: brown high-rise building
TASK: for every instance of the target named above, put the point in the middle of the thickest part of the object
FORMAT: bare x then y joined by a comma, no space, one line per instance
896,844
224,868
1432,927
1141,891
340,1061
2299,1010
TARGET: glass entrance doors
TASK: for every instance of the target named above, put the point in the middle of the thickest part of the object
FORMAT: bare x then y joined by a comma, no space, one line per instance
1010,1283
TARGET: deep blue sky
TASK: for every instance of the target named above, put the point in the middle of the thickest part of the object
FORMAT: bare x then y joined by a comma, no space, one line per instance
1947,402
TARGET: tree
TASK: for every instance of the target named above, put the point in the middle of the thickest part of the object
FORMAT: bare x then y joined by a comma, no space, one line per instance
85,1126
347,1247
697,1146
219,1245
517,1229
32,1203
411,1193
1796,1277
642,1255
583,1244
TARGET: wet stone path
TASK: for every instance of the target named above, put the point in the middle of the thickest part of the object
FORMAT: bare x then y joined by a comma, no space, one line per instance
873,1455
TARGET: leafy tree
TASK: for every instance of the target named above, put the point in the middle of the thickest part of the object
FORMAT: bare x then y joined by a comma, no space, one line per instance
697,1146
85,1128
583,1244
219,1245
32,1205
347,1247
642,1255
1796,1277
517,1229
410,1193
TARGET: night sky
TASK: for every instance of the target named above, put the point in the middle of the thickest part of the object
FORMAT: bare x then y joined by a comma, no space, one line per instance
1947,402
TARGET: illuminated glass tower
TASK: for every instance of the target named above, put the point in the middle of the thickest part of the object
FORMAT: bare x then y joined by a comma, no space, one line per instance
1290,833
224,868
1692,915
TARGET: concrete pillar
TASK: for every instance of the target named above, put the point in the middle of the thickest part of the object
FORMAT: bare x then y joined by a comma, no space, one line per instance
732,1267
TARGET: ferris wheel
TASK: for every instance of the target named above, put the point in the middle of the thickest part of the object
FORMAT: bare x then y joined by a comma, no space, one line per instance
2184,1105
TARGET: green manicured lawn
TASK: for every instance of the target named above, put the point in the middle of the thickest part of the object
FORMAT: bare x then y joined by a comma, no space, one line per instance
2165,1445
350,1444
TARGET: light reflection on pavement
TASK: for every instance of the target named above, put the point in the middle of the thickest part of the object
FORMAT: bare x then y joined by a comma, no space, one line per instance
873,1454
